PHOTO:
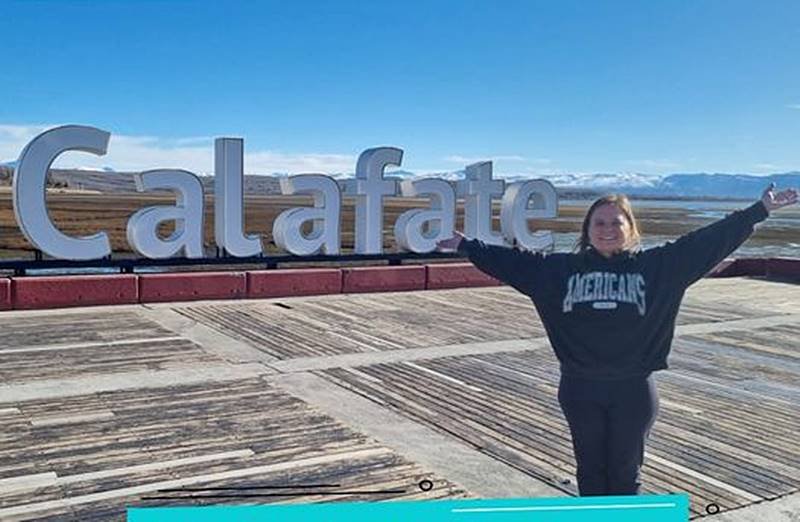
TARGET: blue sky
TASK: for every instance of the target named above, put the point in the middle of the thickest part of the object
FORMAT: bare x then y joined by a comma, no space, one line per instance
539,87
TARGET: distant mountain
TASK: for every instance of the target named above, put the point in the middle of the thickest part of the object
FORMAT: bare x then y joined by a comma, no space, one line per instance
604,182
724,185
700,185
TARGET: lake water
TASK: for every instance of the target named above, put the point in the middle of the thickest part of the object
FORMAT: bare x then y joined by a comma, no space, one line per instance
565,242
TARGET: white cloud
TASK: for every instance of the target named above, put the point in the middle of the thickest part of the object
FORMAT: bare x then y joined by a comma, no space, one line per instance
195,140
196,154
793,106
466,160
768,167
550,172
267,162
658,164
13,139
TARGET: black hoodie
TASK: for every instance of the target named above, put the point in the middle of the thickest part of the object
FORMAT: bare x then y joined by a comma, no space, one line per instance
611,318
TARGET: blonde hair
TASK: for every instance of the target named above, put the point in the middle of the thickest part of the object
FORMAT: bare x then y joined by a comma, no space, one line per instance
624,205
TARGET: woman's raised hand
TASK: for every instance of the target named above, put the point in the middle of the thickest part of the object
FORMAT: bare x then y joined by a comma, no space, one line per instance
450,244
775,200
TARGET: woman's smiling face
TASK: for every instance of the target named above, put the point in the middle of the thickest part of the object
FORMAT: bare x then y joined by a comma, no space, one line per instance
609,230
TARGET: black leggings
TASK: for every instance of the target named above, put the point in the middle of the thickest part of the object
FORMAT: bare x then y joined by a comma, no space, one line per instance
609,422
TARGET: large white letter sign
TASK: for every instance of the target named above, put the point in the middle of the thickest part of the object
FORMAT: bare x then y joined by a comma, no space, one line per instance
228,197
29,188
370,187
187,214
409,227
287,229
478,189
516,211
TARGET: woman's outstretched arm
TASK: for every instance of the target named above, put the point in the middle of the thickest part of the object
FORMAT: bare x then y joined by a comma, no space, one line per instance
693,255
518,268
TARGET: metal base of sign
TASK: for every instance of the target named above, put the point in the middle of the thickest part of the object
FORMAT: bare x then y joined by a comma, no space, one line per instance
20,267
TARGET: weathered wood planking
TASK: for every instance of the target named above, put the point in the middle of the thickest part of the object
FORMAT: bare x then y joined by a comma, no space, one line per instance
779,342
334,325
724,361
704,442
57,363
507,408
721,429
726,432
58,346
157,427
694,312
374,322
58,328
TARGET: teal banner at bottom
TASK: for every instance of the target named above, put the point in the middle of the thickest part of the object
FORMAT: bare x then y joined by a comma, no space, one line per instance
650,508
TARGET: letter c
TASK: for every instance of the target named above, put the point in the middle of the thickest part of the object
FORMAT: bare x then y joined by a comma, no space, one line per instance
29,188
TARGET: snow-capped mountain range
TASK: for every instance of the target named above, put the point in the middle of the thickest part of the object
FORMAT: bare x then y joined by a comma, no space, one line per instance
697,185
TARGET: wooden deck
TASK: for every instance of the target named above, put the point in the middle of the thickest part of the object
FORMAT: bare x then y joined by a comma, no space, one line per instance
103,408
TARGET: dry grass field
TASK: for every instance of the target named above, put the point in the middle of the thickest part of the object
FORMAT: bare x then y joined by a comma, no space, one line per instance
84,213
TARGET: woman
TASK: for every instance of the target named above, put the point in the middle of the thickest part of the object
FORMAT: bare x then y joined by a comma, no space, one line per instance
609,311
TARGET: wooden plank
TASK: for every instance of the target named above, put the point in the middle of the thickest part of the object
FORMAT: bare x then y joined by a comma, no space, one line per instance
156,435
482,404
